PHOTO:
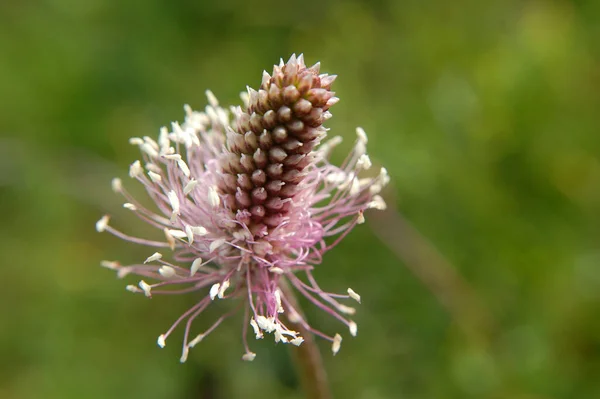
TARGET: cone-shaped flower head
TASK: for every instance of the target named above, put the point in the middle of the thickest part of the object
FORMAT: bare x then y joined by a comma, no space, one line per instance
249,204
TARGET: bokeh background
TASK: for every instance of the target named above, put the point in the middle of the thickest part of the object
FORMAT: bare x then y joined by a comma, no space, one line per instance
482,280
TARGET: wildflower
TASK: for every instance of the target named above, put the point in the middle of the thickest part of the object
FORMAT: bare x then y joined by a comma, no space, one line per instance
246,199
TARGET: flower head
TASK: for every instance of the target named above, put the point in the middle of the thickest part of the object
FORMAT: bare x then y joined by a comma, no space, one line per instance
247,202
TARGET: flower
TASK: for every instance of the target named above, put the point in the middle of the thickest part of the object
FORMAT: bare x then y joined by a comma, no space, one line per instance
248,204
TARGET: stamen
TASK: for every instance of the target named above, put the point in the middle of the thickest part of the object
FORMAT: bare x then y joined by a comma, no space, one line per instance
102,223
353,295
195,266
337,342
154,257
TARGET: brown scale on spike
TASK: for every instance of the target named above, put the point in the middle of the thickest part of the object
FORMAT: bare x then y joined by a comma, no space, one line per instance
271,145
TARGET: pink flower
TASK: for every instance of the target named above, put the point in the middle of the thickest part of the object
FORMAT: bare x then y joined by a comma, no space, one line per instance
248,201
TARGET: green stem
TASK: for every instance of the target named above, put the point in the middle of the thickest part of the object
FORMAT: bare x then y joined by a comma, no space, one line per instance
307,356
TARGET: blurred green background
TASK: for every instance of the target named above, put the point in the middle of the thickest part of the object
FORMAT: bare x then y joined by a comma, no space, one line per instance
481,281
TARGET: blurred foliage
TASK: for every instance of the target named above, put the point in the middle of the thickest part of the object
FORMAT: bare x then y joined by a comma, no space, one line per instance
486,115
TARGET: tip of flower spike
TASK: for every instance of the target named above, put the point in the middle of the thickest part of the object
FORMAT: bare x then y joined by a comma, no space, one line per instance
161,340
102,224
249,356
337,343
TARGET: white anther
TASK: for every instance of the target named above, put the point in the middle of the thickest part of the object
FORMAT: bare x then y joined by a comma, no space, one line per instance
148,149
353,295
384,178
130,206
190,186
266,324
279,336
153,168
355,187
224,286
174,201
360,219
216,244
173,157
177,233
133,288
336,178
276,270
360,148
163,139
170,238
155,177
184,168
154,257
337,343
375,188
249,356
364,162
214,291
190,234
353,328
166,271
346,309
334,141
213,197
112,265
212,100
117,185
199,230
259,334
362,136
136,141
161,340
184,354
102,224
147,288
377,203
135,169
196,340
277,295
195,266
